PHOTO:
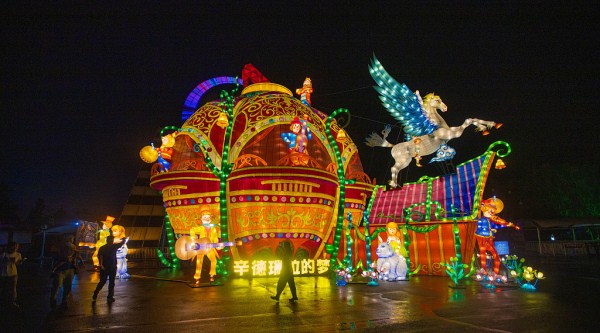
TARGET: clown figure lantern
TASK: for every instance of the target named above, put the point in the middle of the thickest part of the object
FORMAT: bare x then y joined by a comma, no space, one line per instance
118,232
487,225
297,140
101,238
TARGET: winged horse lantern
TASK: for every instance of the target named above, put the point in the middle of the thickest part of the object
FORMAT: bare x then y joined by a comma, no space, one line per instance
426,130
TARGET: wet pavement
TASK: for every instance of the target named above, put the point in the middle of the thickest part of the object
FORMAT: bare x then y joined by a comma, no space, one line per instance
156,300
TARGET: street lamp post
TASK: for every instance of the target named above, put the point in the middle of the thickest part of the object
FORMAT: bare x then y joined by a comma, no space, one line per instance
44,228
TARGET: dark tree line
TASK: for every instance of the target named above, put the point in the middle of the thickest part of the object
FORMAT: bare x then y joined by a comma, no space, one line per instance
35,218
549,191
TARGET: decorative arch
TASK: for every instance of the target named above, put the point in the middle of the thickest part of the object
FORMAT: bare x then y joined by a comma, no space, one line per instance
193,99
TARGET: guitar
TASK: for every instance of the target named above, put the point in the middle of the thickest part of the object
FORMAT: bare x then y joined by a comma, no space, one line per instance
186,248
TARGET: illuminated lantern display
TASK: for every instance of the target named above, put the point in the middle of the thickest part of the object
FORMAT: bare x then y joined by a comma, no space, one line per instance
487,225
268,167
390,265
431,210
500,164
148,154
222,121
305,91
101,237
421,121
118,231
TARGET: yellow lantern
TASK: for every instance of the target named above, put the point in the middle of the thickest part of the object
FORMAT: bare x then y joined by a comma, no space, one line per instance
341,136
223,121
148,154
500,164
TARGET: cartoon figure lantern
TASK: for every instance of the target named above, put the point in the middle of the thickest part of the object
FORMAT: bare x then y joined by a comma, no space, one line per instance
297,140
101,238
391,265
150,154
207,241
393,239
118,232
487,225
166,151
305,91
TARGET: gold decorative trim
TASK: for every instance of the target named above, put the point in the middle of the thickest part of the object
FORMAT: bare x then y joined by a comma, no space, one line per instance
193,196
290,185
247,233
262,172
173,191
241,204
266,87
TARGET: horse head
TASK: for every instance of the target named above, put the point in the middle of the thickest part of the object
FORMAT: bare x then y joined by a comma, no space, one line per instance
434,102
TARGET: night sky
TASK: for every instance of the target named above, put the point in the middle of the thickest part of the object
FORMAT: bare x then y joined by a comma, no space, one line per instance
85,87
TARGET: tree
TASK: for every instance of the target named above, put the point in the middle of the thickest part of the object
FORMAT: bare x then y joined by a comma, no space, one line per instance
61,216
562,190
37,215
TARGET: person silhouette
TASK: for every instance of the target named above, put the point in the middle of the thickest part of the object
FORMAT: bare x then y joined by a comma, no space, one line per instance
64,272
286,276
107,257
8,271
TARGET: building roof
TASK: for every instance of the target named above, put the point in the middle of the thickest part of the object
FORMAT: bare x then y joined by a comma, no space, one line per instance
558,223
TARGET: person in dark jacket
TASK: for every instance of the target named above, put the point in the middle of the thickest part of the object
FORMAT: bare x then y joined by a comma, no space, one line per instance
64,272
107,259
286,275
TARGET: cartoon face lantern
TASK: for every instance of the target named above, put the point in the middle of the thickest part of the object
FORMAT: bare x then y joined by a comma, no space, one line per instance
296,125
392,229
206,216
118,231
168,141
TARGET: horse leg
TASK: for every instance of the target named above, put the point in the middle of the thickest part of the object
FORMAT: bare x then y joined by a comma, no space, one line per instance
402,159
483,125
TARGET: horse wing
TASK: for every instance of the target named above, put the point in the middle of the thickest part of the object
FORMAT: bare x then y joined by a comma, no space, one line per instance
403,104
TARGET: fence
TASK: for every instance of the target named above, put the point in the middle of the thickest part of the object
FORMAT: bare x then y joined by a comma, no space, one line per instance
571,248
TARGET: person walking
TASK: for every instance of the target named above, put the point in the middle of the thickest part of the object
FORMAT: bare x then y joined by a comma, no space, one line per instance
107,260
10,259
64,272
286,276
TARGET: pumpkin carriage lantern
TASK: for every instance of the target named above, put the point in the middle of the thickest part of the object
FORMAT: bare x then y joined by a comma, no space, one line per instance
268,167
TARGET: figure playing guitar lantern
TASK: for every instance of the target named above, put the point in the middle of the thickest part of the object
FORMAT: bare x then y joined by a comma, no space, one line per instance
204,240
207,233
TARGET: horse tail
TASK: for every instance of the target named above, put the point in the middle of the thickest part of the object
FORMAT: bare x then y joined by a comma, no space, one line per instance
374,140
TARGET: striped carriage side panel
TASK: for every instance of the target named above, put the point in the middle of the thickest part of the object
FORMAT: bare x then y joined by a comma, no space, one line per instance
461,187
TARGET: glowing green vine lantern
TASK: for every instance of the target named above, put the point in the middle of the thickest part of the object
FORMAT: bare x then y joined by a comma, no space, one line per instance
335,250
174,262
366,216
348,259
227,104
